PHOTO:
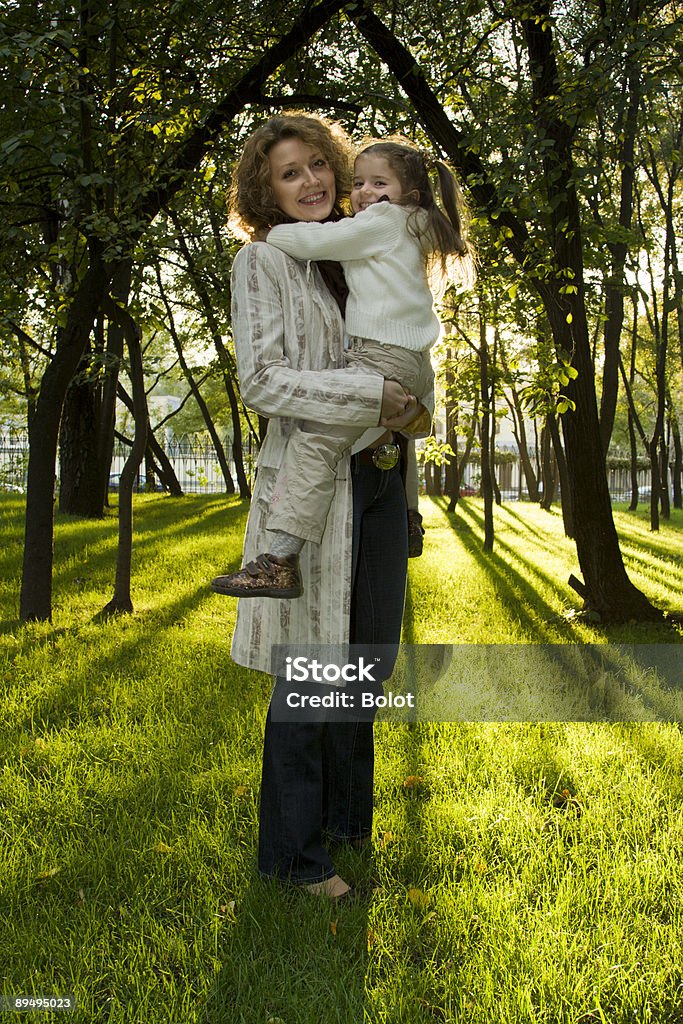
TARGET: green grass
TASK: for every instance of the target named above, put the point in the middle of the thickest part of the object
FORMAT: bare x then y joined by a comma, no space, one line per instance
525,872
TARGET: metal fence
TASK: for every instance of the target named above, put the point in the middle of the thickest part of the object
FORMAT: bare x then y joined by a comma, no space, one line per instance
512,484
192,456
194,461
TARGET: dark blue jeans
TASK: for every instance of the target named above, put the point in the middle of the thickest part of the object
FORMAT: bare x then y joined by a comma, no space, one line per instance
317,776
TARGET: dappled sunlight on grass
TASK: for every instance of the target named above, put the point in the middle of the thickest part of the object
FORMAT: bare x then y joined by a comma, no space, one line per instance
131,766
519,592
516,595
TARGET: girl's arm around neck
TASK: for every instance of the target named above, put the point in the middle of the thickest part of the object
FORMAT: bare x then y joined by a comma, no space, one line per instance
373,232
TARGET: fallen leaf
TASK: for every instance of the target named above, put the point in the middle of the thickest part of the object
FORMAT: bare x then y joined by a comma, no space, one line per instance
333,927
241,790
413,781
49,873
163,848
226,908
372,938
387,838
567,799
418,898
480,866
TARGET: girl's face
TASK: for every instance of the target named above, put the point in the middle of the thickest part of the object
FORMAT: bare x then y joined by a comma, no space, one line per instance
373,178
302,181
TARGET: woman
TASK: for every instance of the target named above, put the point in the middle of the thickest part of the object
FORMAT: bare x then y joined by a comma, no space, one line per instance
288,332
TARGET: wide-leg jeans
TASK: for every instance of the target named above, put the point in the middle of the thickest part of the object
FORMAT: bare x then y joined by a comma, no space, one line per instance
317,779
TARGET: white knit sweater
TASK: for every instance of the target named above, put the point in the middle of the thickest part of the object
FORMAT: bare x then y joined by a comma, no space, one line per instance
389,297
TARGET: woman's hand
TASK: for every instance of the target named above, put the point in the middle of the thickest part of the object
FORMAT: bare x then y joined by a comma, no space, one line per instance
412,412
395,402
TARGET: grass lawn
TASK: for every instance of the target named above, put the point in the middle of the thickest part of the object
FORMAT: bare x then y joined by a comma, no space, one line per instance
520,872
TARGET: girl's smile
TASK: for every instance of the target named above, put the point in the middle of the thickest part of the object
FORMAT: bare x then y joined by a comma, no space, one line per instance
374,179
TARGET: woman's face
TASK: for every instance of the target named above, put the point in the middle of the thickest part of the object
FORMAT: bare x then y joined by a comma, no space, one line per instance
302,181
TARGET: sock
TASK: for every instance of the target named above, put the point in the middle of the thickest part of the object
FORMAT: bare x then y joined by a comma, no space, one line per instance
284,544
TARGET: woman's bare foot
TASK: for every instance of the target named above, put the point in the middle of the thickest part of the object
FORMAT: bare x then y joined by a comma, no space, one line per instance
334,888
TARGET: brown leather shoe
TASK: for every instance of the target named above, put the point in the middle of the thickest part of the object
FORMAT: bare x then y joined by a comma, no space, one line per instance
266,576
415,533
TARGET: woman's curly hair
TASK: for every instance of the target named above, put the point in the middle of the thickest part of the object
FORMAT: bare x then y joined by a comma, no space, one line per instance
251,203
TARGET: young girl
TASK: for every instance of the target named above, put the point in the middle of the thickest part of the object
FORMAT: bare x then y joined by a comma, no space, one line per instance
397,235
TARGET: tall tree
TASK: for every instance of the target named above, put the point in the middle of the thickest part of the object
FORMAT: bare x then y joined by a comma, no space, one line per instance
606,588
184,135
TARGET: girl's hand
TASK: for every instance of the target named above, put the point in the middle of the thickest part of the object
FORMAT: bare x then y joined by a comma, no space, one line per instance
395,401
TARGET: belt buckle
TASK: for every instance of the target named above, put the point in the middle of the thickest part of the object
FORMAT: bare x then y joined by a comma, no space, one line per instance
386,456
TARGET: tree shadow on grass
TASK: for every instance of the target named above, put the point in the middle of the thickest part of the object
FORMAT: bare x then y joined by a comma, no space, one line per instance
148,533
520,525
125,648
653,569
291,957
80,562
514,591
659,632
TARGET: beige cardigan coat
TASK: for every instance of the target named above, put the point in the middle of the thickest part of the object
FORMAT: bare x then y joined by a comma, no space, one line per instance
288,335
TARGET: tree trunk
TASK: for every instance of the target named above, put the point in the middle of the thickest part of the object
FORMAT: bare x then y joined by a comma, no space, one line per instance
79,470
154,452
633,447
36,586
677,471
120,290
461,463
548,474
658,441
121,600
519,431
607,589
433,479
664,496
614,290
563,473
492,441
485,459
194,388
166,472
452,483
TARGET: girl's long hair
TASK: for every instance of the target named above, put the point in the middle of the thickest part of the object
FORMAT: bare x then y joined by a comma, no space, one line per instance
442,231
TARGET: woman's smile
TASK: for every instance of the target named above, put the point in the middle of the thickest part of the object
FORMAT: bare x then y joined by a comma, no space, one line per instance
302,180
317,197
